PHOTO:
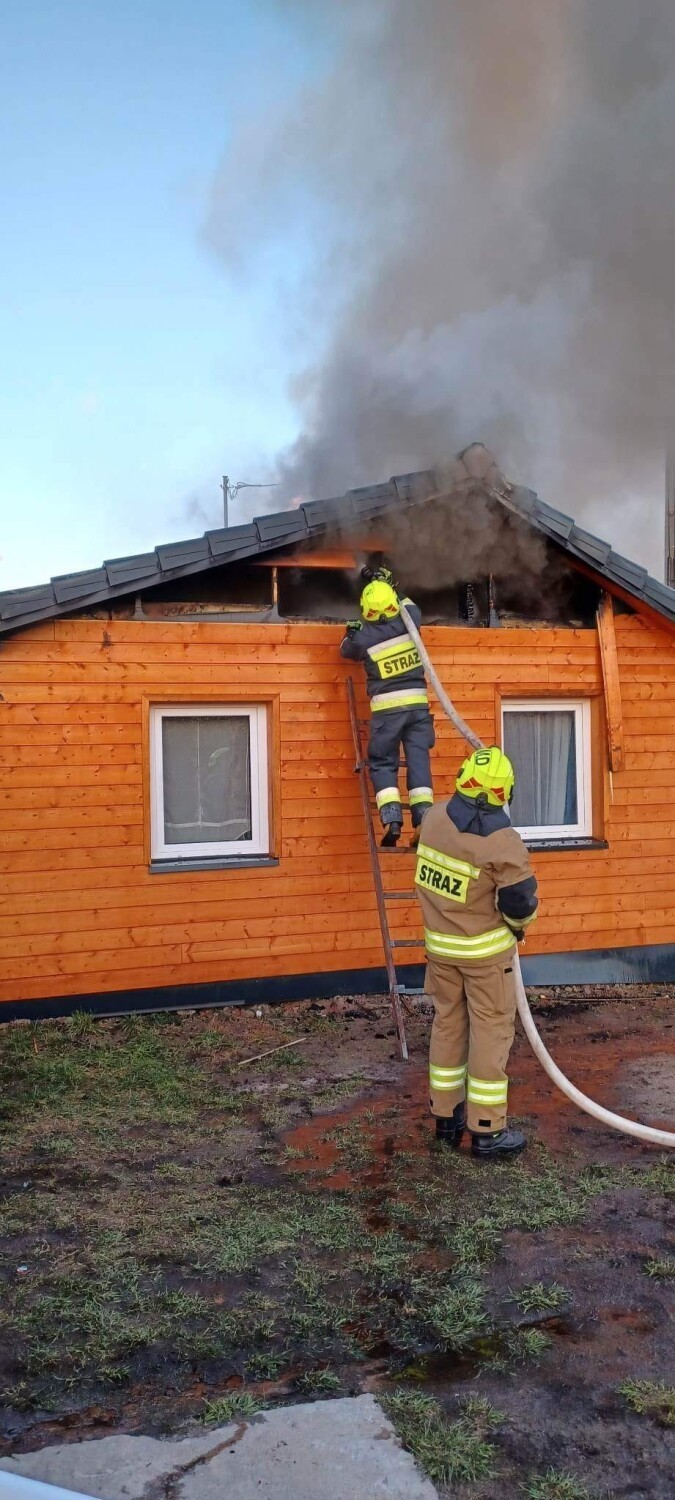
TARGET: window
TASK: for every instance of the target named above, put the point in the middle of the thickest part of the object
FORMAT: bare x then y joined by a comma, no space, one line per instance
208,771
549,743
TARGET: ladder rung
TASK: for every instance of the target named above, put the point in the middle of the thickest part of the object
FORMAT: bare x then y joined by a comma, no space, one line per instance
407,943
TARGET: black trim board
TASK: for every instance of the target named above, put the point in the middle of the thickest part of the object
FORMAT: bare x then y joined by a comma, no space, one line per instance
206,996
654,964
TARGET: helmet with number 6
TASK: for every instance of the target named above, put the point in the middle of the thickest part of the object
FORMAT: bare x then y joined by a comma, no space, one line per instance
487,774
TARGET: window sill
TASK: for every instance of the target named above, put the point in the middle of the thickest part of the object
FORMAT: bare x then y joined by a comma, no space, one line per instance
224,862
544,845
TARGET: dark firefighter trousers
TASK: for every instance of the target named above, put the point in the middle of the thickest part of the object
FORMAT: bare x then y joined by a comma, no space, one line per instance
413,729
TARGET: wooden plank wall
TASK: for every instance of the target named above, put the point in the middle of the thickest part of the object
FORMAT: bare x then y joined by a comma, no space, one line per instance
80,910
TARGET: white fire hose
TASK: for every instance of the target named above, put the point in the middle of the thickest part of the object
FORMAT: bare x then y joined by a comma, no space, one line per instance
605,1116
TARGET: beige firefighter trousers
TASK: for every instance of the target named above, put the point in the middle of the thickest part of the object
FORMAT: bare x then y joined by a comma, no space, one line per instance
471,1037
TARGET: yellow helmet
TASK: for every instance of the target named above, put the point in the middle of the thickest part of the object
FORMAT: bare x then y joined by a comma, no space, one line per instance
488,773
379,601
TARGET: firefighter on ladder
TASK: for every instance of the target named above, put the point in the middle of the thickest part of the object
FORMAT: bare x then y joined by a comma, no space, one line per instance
397,691
477,892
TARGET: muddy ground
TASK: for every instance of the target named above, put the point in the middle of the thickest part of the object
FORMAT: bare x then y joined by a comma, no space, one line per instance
185,1233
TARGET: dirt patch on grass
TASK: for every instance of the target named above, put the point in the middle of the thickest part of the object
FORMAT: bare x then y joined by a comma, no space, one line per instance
180,1231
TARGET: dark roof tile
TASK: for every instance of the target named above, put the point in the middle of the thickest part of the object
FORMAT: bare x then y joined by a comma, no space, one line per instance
231,539
589,546
631,574
79,585
129,569
321,515
659,594
370,502
182,554
419,486
25,601
524,499
286,525
553,521
372,499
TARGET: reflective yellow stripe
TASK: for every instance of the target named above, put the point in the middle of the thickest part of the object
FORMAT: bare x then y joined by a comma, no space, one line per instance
397,700
519,922
420,794
487,1091
388,794
453,945
395,657
458,866
394,644
498,1087
446,1078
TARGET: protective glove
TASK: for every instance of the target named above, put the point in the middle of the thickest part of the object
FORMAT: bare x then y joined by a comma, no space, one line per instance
381,573
352,627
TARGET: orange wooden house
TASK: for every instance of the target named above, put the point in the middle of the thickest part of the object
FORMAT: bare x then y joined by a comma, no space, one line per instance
181,822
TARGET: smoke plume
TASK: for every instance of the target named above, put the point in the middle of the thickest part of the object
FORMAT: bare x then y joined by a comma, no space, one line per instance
487,195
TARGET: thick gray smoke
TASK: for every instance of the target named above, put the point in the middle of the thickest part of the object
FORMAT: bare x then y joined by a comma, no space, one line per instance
488,195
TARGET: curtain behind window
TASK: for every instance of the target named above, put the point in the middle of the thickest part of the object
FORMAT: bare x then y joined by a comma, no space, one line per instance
207,779
542,747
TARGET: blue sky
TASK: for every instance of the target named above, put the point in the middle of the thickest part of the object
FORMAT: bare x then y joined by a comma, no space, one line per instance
228,223
134,366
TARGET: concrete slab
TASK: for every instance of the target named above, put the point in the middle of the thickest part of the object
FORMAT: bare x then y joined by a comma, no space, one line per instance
112,1467
324,1450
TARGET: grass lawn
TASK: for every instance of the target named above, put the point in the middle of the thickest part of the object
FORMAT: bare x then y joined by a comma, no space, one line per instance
184,1238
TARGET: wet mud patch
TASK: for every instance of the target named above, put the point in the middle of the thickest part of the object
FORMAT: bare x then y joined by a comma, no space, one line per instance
179,1230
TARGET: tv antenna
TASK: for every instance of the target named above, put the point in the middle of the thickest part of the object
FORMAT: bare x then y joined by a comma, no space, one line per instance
230,491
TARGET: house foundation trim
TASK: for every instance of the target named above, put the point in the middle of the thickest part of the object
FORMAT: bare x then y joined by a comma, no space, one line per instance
652,964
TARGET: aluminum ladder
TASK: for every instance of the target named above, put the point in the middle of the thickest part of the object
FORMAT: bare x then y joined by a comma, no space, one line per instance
382,896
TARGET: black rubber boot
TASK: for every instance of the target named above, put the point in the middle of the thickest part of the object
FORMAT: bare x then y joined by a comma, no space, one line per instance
392,834
498,1144
450,1129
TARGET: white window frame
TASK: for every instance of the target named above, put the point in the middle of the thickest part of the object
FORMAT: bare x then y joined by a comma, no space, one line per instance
581,709
259,842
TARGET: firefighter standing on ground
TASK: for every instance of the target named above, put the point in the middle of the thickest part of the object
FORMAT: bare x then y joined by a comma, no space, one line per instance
399,705
477,892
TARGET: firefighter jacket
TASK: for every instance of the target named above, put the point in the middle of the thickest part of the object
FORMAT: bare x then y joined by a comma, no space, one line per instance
474,882
394,672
